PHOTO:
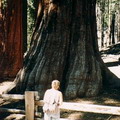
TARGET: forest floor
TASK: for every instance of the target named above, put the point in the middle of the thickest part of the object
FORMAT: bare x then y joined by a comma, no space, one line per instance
111,57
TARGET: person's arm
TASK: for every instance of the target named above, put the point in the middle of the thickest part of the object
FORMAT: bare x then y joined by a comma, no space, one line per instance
60,99
46,97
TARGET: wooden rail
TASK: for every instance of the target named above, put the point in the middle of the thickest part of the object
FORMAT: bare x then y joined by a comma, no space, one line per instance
12,97
8,110
103,109
32,100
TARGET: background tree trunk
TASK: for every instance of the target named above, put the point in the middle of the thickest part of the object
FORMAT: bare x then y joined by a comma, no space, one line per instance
64,47
2,35
11,56
109,10
112,33
24,24
102,23
118,22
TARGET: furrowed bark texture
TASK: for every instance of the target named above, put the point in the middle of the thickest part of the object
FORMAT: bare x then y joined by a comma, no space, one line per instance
2,36
64,47
11,60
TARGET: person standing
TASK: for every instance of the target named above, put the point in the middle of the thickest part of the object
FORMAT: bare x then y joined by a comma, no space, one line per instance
53,98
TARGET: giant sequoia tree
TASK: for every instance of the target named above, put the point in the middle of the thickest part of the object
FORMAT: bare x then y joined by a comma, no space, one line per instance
64,47
11,54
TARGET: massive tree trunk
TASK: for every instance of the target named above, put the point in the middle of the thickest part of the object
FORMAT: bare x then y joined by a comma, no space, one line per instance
11,55
64,47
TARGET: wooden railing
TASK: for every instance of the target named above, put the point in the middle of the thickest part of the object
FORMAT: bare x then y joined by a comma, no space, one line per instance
32,101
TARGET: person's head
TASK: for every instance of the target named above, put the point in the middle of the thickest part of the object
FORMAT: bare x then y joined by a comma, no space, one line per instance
55,84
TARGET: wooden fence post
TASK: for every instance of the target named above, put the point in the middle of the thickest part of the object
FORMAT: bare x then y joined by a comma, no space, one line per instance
29,105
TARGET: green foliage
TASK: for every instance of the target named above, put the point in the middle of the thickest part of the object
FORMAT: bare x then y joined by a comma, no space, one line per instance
30,19
108,8
4,4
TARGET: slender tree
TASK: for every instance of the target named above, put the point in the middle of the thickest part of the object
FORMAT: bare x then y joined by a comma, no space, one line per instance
112,32
64,47
102,22
118,20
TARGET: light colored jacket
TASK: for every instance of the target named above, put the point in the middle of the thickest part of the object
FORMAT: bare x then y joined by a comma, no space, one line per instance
52,97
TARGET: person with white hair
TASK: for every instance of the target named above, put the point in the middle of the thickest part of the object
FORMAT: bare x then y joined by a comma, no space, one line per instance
53,98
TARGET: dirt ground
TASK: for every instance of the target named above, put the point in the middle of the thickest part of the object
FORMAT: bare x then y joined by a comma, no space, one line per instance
107,97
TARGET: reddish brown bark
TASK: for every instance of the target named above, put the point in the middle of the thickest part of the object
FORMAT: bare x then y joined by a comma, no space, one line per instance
64,47
13,55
